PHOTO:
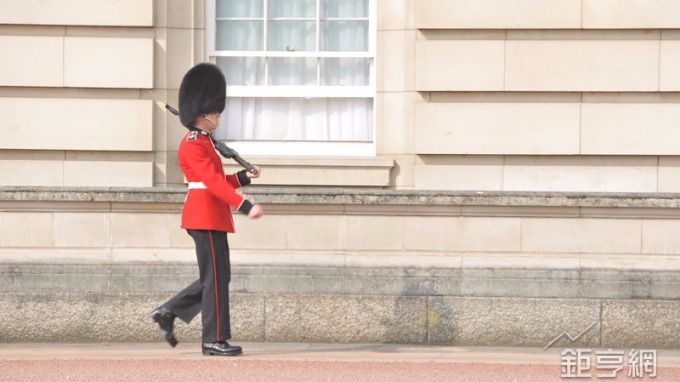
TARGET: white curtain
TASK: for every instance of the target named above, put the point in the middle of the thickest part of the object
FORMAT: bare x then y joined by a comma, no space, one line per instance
298,119
344,8
240,8
292,8
344,36
292,71
242,71
345,71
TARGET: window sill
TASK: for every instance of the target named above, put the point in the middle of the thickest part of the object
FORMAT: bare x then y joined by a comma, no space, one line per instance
320,171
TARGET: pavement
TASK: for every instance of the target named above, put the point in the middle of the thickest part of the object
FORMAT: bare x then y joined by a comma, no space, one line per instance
322,362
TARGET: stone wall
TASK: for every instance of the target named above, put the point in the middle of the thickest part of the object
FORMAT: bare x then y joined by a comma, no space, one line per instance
535,95
332,265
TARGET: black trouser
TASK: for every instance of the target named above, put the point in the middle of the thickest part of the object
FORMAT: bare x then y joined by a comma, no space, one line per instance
210,293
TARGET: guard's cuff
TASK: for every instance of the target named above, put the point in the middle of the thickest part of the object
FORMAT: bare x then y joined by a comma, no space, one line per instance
245,206
242,177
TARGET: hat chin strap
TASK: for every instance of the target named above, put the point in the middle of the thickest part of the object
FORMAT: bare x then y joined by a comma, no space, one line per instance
210,119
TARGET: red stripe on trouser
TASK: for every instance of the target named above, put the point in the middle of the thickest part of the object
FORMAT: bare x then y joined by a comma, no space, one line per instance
217,303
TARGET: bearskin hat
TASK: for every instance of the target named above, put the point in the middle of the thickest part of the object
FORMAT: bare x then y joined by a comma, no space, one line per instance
202,91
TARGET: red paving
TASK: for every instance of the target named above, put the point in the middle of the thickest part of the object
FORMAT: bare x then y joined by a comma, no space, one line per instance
295,362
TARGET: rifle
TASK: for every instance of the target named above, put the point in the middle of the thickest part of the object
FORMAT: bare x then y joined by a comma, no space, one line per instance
221,148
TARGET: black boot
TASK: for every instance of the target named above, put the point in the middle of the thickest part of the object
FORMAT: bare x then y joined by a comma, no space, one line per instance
221,348
166,321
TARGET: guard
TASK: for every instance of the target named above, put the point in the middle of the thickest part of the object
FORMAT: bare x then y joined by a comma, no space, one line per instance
206,215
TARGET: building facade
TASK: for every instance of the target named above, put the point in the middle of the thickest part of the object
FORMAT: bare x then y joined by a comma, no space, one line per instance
441,171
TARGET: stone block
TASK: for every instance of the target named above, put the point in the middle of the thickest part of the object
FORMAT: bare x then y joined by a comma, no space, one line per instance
670,61
664,286
124,13
669,174
459,65
391,285
395,70
255,279
80,230
631,14
178,59
396,15
463,321
404,259
52,317
23,172
108,174
46,278
66,124
179,238
497,128
640,323
264,233
580,174
463,178
605,284
149,230
150,279
247,317
498,14
329,232
582,66
383,233
396,116
661,236
26,230
525,283
24,69
184,14
345,319
462,234
473,173
123,317
91,62
640,129
564,235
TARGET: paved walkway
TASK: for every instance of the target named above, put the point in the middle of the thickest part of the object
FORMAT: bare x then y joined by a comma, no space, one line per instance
305,362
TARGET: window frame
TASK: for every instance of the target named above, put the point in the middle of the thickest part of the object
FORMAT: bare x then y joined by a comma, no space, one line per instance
297,148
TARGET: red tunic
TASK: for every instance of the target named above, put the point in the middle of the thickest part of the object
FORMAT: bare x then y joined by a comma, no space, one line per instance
207,208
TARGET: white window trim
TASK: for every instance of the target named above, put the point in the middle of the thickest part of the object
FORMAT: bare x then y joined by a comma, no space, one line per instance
274,148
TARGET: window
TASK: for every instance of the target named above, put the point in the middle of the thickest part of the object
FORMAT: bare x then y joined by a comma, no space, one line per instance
300,74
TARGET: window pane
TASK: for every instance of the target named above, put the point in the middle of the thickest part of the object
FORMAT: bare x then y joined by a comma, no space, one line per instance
240,8
344,8
298,119
242,70
344,36
292,36
239,35
292,71
345,71
292,8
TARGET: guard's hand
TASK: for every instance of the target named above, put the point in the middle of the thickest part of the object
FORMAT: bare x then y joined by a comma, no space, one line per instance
256,174
256,212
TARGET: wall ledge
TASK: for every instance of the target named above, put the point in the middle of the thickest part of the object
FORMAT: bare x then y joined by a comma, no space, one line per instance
351,196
